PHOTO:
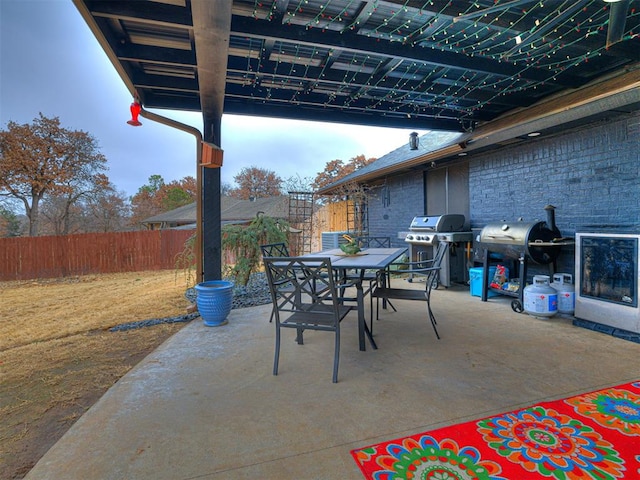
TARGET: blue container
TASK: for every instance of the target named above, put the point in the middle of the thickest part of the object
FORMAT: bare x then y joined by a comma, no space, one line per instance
214,300
475,281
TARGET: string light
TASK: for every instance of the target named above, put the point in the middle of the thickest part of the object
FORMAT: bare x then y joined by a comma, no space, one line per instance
487,35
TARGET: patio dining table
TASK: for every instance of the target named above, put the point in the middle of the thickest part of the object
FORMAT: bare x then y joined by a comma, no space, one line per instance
367,259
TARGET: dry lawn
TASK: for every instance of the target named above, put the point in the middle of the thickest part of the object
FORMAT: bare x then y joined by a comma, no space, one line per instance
57,355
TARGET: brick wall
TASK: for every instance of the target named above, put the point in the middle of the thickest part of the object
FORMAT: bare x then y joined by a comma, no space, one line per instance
591,175
393,206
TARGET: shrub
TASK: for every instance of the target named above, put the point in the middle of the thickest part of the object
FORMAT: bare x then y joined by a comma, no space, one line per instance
245,242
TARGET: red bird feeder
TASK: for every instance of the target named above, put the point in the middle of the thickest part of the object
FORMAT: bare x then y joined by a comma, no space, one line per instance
135,111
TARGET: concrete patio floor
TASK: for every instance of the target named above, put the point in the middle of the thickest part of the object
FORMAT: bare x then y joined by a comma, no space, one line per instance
205,404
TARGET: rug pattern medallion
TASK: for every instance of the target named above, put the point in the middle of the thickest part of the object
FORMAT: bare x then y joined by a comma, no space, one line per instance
587,437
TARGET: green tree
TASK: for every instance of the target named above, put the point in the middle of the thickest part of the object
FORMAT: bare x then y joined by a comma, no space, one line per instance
43,158
157,197
177,193
9,223
155,183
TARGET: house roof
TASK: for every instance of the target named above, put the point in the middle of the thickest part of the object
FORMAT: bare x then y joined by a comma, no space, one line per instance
233,210
401,158
181,215
437,64
276,207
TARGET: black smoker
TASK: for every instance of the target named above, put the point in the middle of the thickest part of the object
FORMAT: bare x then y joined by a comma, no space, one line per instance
539,242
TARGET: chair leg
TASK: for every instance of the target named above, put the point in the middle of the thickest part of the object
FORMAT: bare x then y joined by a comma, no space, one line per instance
391,305
371,310
433,320
428,295
386,300
387,283
277,354
432,317
336,356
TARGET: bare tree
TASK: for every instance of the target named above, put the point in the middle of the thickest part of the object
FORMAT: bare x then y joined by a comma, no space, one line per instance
296,183
64,211
105,210
108,212
225,188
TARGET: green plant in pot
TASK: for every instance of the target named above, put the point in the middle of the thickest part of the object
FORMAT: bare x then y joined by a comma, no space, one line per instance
351,247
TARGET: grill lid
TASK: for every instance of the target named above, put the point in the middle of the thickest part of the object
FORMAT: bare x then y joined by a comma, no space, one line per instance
450,222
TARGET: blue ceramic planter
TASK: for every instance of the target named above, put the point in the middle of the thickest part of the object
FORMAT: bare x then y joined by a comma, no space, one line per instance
214,300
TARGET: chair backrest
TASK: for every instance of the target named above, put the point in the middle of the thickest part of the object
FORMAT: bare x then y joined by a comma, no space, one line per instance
274,250
374,242
438,256
433,276
302,284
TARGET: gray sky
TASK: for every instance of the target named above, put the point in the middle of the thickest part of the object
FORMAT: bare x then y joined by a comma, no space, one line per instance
51,63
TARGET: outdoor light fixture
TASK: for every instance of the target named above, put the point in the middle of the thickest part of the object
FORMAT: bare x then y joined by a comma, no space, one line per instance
135,111
413,141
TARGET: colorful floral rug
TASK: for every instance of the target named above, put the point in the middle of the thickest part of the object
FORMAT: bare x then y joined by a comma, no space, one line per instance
590,436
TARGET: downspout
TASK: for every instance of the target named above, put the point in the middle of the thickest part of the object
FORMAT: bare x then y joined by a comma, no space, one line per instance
446,190
196,133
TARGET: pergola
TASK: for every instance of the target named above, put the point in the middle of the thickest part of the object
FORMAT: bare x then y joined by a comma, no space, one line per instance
489,68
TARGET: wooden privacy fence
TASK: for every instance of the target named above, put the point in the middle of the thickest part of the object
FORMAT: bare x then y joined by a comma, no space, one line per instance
329,218
25,258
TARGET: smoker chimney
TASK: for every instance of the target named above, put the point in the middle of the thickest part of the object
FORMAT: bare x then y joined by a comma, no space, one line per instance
551,218
413,141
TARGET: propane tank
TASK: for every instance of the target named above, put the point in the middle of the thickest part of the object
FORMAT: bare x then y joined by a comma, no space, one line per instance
563,284
540,299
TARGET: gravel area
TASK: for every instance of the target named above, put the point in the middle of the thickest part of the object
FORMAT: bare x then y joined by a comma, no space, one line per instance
256,292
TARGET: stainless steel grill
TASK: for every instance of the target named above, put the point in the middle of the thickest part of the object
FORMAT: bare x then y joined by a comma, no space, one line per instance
423,236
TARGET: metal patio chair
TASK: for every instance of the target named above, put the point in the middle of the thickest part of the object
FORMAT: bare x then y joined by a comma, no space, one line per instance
367,241
373,278
429,269
274,250
305,297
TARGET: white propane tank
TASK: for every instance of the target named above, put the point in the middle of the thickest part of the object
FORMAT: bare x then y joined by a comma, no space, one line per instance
563,283
540,299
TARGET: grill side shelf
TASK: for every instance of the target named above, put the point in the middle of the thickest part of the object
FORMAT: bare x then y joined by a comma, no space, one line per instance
564,243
